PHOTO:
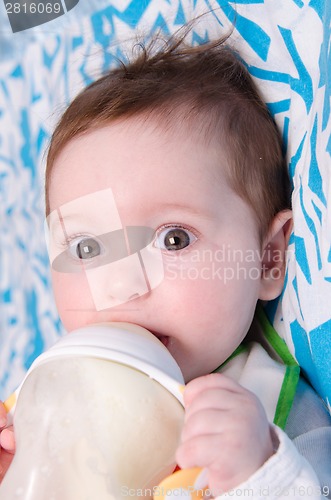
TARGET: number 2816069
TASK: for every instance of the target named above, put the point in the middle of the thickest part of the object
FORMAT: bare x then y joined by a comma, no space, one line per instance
33,8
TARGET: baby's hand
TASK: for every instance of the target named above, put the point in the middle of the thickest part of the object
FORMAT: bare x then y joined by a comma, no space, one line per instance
7,443
226,431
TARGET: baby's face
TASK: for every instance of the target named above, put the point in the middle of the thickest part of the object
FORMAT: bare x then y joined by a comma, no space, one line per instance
193,278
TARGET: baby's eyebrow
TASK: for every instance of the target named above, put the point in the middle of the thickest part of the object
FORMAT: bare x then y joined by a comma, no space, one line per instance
58,219
60,225
180,206
194,210
58,222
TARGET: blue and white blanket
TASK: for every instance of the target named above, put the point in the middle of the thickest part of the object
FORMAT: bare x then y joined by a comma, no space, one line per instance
286,45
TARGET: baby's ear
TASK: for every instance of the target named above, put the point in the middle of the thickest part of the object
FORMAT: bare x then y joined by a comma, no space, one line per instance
273,255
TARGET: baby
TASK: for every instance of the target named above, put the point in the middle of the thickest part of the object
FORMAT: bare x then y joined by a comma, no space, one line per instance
168,204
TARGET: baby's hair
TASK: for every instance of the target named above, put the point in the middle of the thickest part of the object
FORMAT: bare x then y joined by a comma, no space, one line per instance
209,90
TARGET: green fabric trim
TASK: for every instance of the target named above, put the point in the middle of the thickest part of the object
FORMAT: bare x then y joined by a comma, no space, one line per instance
274,339
292,369
292,372
240,349
286,396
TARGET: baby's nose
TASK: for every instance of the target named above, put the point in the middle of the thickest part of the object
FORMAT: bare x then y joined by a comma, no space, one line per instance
122,290
118,282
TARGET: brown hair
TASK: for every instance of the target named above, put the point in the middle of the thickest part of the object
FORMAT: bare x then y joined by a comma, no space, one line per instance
208,87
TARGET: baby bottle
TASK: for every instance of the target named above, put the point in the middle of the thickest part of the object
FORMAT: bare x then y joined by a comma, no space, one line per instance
98,417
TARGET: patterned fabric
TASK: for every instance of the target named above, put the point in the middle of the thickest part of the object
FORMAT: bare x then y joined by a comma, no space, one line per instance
286,45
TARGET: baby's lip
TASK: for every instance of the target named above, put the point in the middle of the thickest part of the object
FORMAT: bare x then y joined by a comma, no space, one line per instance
164,339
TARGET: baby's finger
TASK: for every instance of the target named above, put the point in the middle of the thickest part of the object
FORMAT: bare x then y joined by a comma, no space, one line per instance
212,399
199,451
205,423
222,400
211,381
7,440
5,461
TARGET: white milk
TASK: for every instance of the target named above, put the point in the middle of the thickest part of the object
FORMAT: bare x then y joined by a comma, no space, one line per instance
89,428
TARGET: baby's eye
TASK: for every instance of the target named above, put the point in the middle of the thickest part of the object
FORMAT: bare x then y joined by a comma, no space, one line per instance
85,248
174,238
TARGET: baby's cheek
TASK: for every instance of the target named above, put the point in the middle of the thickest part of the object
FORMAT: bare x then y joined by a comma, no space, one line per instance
192,289
73,299
198,275
212,290
187,270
